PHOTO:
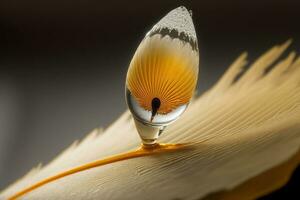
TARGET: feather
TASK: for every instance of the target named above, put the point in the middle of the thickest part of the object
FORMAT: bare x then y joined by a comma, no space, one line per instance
244,131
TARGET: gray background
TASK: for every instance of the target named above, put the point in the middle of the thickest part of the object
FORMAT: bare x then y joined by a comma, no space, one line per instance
63,63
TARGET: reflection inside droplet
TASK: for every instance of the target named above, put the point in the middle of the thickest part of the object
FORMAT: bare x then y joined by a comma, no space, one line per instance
145,116
150,125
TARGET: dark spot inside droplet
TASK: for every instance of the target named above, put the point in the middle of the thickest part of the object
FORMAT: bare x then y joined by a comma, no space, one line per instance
155,104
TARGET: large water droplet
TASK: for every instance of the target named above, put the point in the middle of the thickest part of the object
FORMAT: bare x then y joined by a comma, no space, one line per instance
159,96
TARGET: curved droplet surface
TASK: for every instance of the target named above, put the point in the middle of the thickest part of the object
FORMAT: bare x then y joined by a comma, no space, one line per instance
163,73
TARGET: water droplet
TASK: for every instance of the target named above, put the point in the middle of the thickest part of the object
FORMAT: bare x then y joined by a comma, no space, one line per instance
158,96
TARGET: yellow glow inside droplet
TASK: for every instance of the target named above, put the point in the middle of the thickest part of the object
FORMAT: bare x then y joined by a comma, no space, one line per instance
163,68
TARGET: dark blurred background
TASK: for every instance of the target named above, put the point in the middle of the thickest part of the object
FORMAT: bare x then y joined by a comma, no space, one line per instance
63,63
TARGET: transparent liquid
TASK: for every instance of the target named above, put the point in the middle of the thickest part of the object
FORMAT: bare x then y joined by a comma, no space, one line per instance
144,116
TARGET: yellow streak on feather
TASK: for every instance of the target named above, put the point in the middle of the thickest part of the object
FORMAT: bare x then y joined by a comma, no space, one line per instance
140,152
